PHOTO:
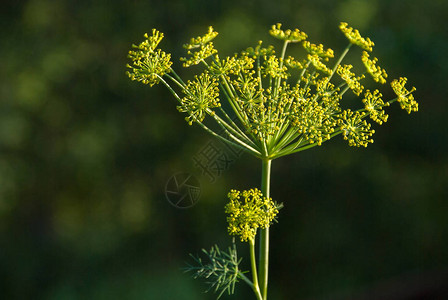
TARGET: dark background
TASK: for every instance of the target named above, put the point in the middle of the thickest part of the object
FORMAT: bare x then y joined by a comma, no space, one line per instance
85,155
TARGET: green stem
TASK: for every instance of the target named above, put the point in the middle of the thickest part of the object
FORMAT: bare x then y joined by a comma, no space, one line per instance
253,264
293,149
264,233
339,61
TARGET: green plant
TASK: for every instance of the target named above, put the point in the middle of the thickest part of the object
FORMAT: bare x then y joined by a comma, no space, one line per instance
278,105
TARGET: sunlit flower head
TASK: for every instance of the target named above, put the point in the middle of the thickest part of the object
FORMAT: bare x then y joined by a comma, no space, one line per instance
355,129
375,106
292,36
349,77
249,210
318,50
355,37
148,63
201,96
378,74
404,96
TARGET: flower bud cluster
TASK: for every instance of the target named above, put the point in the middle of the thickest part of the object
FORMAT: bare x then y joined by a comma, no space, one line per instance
349,77
355,37
292,36
148,63
405,97
249,210
355,129
374,106
378,74
201,96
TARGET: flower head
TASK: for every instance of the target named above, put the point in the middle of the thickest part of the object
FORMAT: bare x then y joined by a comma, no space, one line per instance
277,104
355,37
355,129
316,61
374,106
250,213
318,50
149,63
292,63
378,74
259,51
201,41
200,48
271,67
292,36
405,97
349,77
201,96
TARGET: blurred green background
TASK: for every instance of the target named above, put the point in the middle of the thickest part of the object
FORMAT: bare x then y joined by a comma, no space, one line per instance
85,155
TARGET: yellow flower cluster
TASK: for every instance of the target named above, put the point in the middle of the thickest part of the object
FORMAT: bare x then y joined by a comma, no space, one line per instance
374,106
200,48
201,41
355,37
318,50
292,63
148,63
292,36
355,129
201,97
349,77
281,104
378,74
316,61
405,97
271,67
250,213
313,121
259,51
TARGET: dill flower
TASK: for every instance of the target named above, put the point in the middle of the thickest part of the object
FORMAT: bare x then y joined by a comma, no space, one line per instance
200,55
200,41
313,121
149,63
259,51
292,36
318,50
292,63
277,104
355,37
374,105
272,68
354,129
223,66
200,48
250,213
316,61
378,74
404,97
201,96
349,78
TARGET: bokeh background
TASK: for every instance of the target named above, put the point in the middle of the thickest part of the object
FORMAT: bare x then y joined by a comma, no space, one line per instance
85,155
